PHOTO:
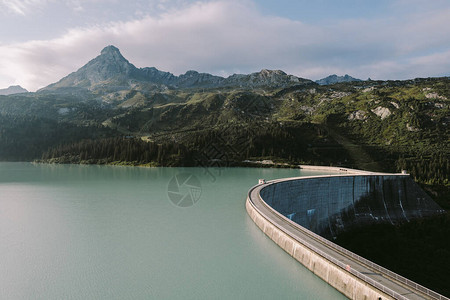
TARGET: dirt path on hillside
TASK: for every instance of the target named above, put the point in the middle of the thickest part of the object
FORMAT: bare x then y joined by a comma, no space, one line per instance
362,159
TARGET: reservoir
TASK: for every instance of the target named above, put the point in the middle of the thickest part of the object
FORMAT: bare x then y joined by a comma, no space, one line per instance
106,232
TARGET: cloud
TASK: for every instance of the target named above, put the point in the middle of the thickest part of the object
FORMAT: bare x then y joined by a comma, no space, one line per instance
225,37
21,7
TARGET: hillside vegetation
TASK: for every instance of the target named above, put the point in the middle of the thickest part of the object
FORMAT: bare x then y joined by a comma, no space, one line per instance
380,126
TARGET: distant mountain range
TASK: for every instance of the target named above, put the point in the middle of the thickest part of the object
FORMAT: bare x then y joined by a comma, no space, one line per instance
111,71
14,89
332,79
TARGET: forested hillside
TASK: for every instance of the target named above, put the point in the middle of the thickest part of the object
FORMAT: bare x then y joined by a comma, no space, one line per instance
384,126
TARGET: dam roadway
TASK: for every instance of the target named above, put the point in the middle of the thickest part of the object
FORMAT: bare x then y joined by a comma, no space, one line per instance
365,274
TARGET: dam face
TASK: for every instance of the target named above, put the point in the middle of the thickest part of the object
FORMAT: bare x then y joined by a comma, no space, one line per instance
330,205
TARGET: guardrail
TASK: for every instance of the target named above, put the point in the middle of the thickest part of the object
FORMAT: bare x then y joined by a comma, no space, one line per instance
335,247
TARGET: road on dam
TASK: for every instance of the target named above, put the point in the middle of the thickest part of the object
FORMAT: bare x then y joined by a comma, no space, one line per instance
331,252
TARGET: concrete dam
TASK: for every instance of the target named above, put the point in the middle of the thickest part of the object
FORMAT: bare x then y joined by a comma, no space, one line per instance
298,213
329,205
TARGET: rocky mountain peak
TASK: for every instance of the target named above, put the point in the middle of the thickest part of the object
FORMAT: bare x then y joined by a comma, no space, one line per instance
112,53
332,79
266,72
272,78
111,56
191,73
14,89
110,50
109,68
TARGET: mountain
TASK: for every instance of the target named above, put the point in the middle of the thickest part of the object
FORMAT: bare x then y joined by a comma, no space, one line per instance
14,89
110,68
110,71
270,78
332,79
264,78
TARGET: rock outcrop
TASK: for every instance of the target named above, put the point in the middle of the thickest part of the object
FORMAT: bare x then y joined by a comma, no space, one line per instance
332,79
14,89
382,112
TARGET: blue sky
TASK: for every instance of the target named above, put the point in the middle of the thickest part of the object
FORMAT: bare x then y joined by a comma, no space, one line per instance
323,11
43,40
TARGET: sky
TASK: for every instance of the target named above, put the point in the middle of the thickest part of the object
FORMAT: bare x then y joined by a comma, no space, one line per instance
42,41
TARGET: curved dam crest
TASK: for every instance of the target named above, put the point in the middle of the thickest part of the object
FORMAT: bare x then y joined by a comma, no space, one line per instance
328,205
297,213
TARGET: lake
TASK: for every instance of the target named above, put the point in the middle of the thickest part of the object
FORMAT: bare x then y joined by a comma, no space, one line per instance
105,232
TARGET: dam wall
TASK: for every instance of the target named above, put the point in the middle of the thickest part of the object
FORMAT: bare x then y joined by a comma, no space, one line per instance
328,205
294,211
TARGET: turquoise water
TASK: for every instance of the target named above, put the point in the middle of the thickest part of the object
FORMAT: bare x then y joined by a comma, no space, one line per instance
99,232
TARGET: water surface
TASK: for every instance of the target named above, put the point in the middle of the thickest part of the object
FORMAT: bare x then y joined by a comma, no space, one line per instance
100,232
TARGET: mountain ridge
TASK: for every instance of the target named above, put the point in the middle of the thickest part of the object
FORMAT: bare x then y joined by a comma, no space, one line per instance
110,69
12,90
332,79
